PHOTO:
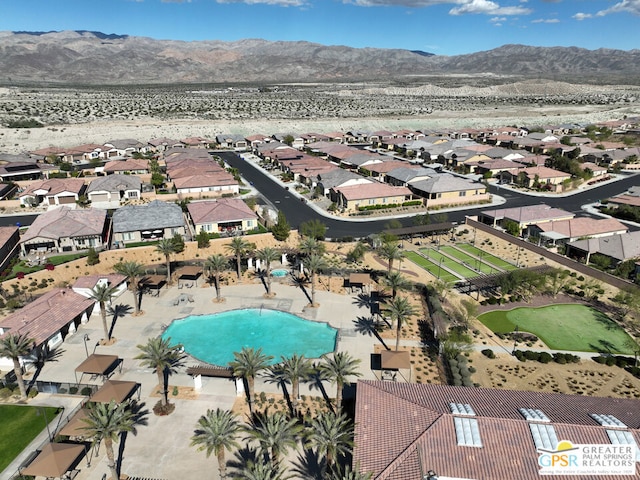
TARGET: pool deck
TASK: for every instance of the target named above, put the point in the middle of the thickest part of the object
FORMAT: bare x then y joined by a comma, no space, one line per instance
161,449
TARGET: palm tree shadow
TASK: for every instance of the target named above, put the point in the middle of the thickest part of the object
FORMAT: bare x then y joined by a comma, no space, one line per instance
363,300
243,458
117,311
140,418
309,465
315,379
276,375
368,326
300,281
40,359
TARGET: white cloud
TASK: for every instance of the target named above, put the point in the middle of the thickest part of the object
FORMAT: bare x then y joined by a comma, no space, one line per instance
498,19
625,6
487,7
582,16
545,20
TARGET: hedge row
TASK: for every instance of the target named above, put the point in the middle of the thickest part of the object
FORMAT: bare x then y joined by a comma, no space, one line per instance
545,357
461,371
628,363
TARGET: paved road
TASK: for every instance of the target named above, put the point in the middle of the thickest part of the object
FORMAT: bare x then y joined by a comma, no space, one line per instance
298,212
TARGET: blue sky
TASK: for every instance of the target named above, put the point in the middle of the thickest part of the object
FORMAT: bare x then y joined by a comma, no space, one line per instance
443,27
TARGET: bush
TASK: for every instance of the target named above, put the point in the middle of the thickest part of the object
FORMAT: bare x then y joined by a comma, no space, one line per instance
545,357
5,392
92,257
86,391
487,352
73,390
472,369
32,393
599,359
610,361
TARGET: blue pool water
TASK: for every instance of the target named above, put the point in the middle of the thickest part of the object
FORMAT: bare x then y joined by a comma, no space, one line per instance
279,272
214,338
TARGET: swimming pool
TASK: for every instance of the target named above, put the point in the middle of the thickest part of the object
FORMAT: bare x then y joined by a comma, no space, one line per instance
214,338
279,272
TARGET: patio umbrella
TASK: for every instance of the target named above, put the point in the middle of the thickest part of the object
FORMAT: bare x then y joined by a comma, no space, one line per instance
54,460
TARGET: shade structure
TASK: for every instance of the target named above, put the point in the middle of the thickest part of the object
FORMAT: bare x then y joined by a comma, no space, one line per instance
114,390
153,281
189,272
97,364
391,360
54,460
359,279
76,426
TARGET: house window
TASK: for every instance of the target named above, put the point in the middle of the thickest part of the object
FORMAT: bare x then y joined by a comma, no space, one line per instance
132,194
249,223
207,227
127,236
462,194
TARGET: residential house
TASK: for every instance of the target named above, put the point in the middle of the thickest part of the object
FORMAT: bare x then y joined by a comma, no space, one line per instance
84,153
109,191
153,221
9,240
131,166
254,140
354,197
197,142
446,189
127,147
163,143
334,179
7,190
595,169
618,248
15,171
524,216
86,284
234,141
221,183
54,191
538,177
66,230
564,231
404,175
49,319
379,169
408,431
227,216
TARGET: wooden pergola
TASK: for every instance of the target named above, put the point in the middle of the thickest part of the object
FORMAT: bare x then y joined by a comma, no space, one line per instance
115,390
55,460
97,364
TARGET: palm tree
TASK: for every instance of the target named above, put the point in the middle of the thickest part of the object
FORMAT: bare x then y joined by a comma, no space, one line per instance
314,263
396,281
167,247
330,433
14,346
257,470
215,432
107,421
159,354
400,310
309,245
295,368
103,293
338,368
216,264
390,251
239,247
248,362
349,474
267,255
133,270
275,433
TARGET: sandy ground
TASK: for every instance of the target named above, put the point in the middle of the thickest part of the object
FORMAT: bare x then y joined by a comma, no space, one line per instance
143,129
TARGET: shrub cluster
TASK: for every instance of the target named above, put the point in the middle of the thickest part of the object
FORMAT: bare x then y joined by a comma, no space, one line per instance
545,357
628,363
487,352
460,371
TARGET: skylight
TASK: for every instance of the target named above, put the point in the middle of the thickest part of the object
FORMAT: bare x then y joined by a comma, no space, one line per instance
467,432
544,436
534,415
461,409
608,421
623,437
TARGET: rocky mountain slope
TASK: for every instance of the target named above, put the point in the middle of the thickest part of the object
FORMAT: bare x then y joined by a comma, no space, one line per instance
93,58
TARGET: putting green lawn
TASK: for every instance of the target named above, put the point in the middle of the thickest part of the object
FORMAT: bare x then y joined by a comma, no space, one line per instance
431,267
564,327
20,425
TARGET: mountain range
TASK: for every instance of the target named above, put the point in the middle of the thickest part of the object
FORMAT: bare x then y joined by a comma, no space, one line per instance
94,58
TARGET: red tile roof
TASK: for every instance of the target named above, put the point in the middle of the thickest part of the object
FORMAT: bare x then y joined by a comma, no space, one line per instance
223,210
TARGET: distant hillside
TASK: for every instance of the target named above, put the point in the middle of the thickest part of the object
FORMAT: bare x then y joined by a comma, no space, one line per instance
83,57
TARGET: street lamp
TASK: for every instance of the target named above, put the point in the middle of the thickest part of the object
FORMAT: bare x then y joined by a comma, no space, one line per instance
515,340
43,411
86,339
439,265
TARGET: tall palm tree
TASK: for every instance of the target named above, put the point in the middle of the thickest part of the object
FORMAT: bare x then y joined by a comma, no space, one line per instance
14,346
349,474
331,434
314,263
216,264
257,470
239,247
396,281
107,421
295,368
216,432
133,270
309,245
167,247
103,293
390,251
275,433
267,256
337,368
400,310
247,364
159,354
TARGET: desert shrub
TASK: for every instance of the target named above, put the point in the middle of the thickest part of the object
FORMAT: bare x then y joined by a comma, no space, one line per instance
5,392
487,352
92,257
599,359
635,371
32,393
622,362
86,391
73,390
610,362
175,391
472,369
545,357
531,355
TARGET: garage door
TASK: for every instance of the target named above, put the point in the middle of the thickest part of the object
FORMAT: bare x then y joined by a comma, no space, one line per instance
102,197
66,200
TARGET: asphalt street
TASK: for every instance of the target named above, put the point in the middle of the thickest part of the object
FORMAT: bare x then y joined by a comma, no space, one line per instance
296,211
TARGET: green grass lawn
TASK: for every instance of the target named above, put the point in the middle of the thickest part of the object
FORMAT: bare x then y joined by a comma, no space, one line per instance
436,257
431,267
485,268
20,425
564,327
486,257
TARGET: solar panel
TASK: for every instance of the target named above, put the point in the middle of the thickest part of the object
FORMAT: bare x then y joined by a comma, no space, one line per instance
608,421
461,409
533,415
467,432
544,436
623,437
